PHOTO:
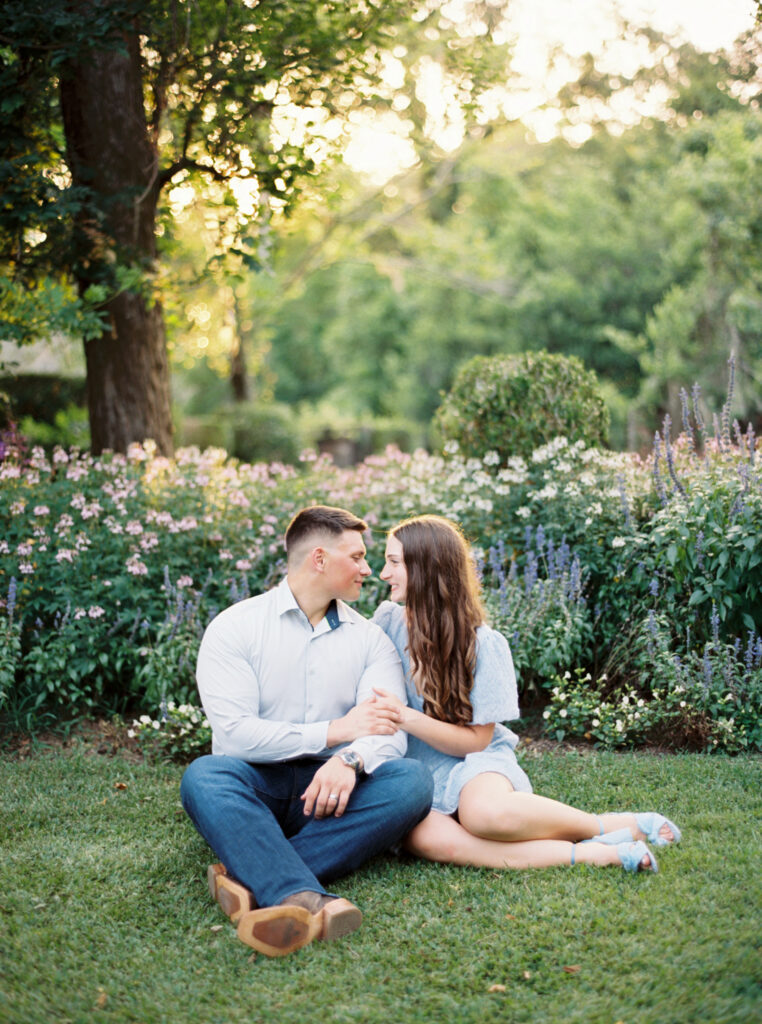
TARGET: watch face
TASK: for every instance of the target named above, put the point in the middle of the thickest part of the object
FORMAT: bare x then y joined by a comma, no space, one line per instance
351,759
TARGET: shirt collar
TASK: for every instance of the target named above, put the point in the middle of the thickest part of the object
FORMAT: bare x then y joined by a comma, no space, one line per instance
336,613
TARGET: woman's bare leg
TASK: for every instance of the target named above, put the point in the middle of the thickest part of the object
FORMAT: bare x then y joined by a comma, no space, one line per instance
490,808
440,838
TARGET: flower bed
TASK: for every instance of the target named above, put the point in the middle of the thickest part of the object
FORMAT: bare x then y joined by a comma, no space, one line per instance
643,574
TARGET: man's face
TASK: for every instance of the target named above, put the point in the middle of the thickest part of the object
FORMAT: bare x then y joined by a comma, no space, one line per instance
345,565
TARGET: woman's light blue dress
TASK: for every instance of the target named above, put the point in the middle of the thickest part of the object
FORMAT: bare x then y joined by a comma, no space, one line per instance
494,698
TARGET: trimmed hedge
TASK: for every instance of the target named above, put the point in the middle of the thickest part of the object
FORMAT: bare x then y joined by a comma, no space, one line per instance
513,404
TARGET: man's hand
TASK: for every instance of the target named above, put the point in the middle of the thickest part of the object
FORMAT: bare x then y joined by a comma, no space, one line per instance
369,718
330,789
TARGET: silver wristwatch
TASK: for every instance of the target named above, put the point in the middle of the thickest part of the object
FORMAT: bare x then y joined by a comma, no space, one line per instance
352,760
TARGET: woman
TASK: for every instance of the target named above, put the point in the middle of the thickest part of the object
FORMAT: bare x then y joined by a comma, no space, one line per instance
461,685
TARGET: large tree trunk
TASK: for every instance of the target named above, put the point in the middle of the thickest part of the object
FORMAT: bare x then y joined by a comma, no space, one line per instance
109,152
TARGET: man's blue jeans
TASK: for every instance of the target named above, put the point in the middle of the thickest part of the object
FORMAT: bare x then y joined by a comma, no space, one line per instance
253,818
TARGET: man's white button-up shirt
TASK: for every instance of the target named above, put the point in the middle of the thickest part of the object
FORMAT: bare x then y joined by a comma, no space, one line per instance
270,684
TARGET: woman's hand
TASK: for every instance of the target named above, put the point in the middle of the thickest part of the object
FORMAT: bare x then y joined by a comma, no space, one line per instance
455,740
393,705
369,718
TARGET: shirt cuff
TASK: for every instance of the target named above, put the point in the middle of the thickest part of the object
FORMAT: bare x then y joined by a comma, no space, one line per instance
315,737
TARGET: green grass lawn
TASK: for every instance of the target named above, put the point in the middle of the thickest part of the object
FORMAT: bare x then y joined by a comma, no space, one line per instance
105,915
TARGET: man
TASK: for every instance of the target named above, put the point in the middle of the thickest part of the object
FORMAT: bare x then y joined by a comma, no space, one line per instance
307,777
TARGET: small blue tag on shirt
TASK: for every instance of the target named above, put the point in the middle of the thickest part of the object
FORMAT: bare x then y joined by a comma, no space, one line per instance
332,615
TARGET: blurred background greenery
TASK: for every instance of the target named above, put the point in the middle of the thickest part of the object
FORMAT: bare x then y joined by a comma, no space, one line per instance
343,325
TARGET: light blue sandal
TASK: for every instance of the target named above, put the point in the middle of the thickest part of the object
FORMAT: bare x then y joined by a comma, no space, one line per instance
649,824
630,854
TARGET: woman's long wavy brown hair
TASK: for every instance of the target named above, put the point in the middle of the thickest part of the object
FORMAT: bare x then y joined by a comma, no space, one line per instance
444,610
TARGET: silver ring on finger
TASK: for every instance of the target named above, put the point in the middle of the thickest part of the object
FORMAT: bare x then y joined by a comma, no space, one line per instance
334,796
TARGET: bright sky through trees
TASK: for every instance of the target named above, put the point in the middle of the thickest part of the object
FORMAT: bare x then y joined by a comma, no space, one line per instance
378,145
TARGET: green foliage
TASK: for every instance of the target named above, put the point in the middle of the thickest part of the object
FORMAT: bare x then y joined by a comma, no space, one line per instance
10,645
41,395
70,429
120,563
637,252
705,701
542,610
513,404
181,733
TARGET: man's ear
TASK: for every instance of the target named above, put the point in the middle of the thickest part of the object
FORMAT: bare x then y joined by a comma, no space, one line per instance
318,558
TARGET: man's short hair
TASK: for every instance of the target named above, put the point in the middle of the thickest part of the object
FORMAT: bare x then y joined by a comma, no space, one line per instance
316,520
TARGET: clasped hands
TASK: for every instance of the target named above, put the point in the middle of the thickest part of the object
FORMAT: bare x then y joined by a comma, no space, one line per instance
333,782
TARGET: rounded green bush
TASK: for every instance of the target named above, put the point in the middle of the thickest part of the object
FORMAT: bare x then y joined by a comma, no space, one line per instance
513,404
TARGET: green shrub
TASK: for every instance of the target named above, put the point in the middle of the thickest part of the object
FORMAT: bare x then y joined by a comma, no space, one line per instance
41,395
70,429
541,610
179,733
249,431
513,404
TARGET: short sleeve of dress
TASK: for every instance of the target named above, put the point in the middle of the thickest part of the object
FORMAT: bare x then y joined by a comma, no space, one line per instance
494,696
382,616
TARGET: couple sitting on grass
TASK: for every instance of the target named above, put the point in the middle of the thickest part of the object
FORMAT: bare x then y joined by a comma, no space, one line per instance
335,738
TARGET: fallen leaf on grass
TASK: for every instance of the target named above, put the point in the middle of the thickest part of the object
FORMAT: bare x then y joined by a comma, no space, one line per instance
496,988
102,999
526,975
573,969
252,958
120,785
511,917
216,928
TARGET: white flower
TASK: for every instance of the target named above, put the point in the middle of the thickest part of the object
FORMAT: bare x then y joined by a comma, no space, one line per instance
549,491
96,611
619,725
41,510
596,723
184,581
523,512
491,459
546,715
563,712
618,542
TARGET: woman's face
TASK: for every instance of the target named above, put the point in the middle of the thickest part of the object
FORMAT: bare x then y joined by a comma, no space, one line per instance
394,571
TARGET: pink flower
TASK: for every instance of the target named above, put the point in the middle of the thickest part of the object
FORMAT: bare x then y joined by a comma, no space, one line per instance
135,567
